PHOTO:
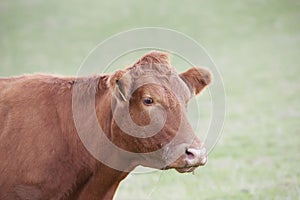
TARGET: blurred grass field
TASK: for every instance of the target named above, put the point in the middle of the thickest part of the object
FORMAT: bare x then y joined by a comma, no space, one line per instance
256,46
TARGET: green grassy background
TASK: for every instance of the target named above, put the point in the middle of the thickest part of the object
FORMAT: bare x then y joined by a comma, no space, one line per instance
255,44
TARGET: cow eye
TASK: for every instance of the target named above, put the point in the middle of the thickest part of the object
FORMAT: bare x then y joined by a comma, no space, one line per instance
148,101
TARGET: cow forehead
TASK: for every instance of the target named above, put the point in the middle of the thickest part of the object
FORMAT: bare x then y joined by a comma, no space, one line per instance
169,81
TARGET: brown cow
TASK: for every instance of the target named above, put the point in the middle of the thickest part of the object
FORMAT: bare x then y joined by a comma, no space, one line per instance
42,155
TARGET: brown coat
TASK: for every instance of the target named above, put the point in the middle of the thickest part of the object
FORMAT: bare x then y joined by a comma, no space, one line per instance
41,154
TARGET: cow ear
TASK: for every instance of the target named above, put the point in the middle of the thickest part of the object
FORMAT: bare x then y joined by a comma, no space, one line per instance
197,79
121,84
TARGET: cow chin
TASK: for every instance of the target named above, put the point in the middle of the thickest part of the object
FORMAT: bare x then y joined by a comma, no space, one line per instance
186,169
182,168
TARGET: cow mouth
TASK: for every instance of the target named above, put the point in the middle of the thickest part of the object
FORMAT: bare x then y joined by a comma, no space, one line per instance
188,168
185,169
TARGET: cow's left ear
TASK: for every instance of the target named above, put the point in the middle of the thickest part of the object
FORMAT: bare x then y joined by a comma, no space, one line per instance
121,84
197,79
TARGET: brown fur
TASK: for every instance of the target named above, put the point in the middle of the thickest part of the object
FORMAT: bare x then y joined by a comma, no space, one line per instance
41,154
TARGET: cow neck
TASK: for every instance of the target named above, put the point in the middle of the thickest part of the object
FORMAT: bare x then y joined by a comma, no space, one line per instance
103,183
105,179
100,181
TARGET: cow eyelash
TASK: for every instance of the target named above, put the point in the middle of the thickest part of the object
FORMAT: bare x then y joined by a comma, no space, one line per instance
148,101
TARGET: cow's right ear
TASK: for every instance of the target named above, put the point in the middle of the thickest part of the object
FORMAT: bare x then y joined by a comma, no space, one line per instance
120,84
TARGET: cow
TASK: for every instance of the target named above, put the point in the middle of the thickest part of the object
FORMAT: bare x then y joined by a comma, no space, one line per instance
42,153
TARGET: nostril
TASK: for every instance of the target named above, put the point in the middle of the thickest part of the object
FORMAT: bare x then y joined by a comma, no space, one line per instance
195,156
189,154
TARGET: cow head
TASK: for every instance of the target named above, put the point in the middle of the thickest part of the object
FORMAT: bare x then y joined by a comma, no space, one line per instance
149,113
